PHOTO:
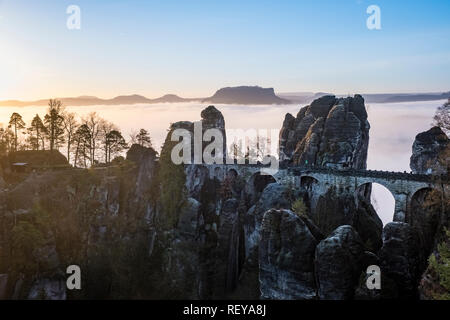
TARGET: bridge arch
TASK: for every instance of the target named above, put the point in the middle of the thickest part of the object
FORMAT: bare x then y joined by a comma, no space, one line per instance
257,183
260,181
307,182
232,174
382,199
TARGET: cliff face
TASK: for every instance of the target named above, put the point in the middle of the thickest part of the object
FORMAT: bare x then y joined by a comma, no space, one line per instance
211,118
330,132
428,152
92,218
149,229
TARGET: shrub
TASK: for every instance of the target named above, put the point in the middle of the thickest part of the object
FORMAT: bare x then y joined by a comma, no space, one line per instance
441,267
300,208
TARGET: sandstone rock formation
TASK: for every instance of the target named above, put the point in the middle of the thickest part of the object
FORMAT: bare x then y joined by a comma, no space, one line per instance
211,118
400,259
330,132
338,264
335,209
286,257
428,152
233,235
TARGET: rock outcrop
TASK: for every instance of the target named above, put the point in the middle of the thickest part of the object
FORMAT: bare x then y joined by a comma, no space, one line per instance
400,260
334,209
147,228
274,196
286,257
330,132
428,152
338,264
211,118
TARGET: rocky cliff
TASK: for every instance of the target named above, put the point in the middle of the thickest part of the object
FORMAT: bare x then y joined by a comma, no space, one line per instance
430,152
146,228
330,132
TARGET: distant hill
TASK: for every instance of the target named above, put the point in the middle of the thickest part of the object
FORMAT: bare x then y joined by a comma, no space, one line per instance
306,98
173,99
405,97
243,95
246,95
91,101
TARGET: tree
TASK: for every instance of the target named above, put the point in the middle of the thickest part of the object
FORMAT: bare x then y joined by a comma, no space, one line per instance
92,123
236,151
439,265
300,208
105,128
70,126
16,122
115,143
82,140
54,123
37,132
6,141
143,138
442,117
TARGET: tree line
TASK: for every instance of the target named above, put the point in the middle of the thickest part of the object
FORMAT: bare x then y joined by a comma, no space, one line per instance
87,141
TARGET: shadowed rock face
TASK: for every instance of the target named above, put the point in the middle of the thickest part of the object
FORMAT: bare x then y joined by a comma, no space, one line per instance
400,258
338,264
211,119
330,132
426,151
145,159
286,257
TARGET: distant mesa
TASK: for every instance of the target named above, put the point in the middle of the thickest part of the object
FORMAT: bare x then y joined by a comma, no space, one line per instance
246,95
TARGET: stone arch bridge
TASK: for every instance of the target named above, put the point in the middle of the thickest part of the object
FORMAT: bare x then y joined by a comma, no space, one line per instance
403,186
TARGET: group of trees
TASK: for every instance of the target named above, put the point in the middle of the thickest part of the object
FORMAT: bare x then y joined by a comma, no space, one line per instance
442,117
87,141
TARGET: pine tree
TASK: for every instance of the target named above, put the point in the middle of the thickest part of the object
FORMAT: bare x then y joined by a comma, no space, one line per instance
143,138
115,143
16,122
54,123
82,142
37,132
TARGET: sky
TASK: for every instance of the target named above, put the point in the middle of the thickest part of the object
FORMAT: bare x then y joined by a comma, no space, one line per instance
192,48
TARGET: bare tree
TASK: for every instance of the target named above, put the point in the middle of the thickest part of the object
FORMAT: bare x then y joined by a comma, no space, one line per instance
70,127
105,128
92,122
442,117
6,141
133,136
